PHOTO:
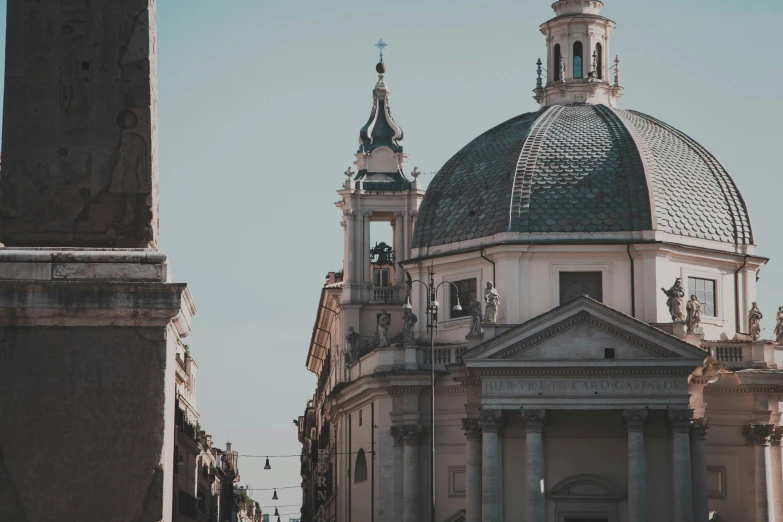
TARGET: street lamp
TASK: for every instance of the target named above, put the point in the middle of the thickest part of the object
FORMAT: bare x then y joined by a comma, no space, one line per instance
432,329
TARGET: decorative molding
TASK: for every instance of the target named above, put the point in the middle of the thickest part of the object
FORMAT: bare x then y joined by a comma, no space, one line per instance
411,435
491,421
349,212
635,419
699,428
716,482
757,434
583,316
581,371
777,434
457,481
396,433
534,420
472,429
680,420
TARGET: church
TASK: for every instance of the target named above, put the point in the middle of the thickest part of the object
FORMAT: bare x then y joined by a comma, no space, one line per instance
564,328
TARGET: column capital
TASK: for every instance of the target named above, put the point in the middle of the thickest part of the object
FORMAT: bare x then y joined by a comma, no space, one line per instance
777,434
491,421
396,433
349,212
534,420
366,214
699,428
757,434
635,419
680,420
411,435
399,214
472,429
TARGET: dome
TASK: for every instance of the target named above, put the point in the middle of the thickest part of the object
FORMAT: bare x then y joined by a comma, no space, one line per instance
583,172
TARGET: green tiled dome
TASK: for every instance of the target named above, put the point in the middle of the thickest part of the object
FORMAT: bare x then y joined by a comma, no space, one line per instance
581,169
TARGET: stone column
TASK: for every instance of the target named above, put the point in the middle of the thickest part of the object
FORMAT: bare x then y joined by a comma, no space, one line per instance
681,465
411,490
350,245
534,459
365,257
776,470
701,502
758,435
491,422
472,469
637,467
399,479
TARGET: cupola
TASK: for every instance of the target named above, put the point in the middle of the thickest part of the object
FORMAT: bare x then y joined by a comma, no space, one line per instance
578,58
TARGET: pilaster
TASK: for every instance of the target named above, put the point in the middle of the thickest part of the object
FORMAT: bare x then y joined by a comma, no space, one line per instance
635,421
534,456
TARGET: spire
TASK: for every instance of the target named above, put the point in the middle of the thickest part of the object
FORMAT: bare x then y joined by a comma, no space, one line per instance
380,130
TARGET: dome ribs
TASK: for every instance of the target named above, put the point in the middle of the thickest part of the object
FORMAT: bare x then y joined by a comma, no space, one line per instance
639,212
525,169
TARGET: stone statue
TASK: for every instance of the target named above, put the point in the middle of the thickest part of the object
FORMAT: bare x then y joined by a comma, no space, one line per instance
754,320
779,326
562,69
382,332
693,309
352,339
474,307
674,301
409,321
492,298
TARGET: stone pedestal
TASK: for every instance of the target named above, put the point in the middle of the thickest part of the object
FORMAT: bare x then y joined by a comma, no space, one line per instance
87,390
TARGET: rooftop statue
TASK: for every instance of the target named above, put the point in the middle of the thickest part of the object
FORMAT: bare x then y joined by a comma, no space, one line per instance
492,298
409,321
754,320
693,309
674,301
779,326
474,307
382,332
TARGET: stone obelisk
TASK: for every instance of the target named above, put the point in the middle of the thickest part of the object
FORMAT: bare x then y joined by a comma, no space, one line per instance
89,316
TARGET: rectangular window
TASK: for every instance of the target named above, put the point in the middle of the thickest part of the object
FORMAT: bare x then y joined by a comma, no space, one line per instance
381,277
577,284
467,292
704,290
360,417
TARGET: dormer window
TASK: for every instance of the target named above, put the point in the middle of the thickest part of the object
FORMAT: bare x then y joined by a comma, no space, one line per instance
578,60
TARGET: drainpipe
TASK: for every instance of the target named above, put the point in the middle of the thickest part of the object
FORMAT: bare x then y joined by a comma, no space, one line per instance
372,443
633,284
494,280
736,295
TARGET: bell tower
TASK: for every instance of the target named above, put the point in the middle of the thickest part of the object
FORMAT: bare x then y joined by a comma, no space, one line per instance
377,192
578,58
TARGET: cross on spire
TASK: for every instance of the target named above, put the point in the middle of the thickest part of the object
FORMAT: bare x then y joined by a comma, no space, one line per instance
381,45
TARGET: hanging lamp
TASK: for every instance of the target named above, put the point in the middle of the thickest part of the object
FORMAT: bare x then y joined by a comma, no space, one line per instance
274,495
267,466
277,514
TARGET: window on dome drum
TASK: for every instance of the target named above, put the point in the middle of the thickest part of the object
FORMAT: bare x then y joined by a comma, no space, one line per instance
577,59
577,284
381,277
557,62
467,291
704,290
360,417
360,471
599,61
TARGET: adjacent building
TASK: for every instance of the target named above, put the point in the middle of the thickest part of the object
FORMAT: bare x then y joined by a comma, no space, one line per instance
571,306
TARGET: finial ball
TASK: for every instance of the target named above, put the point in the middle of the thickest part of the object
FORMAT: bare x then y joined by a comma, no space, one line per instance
381,68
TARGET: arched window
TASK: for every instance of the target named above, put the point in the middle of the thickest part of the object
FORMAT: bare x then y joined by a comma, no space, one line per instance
578,60
360,471
599,61
556,65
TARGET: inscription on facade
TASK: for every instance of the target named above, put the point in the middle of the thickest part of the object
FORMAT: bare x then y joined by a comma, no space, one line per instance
579,386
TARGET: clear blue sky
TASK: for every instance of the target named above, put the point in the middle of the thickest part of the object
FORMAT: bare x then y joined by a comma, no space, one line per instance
260,107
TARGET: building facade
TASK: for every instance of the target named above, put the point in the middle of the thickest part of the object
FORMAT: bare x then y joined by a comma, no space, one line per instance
579,283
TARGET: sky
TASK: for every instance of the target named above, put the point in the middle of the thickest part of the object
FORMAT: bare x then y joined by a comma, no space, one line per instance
261,102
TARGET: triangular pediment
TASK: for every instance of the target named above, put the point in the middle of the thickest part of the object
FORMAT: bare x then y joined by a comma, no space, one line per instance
585,330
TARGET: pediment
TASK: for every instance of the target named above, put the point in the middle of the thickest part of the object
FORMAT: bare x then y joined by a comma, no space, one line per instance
585,330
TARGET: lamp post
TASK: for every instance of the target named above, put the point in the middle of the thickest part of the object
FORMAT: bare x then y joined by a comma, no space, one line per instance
432,329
